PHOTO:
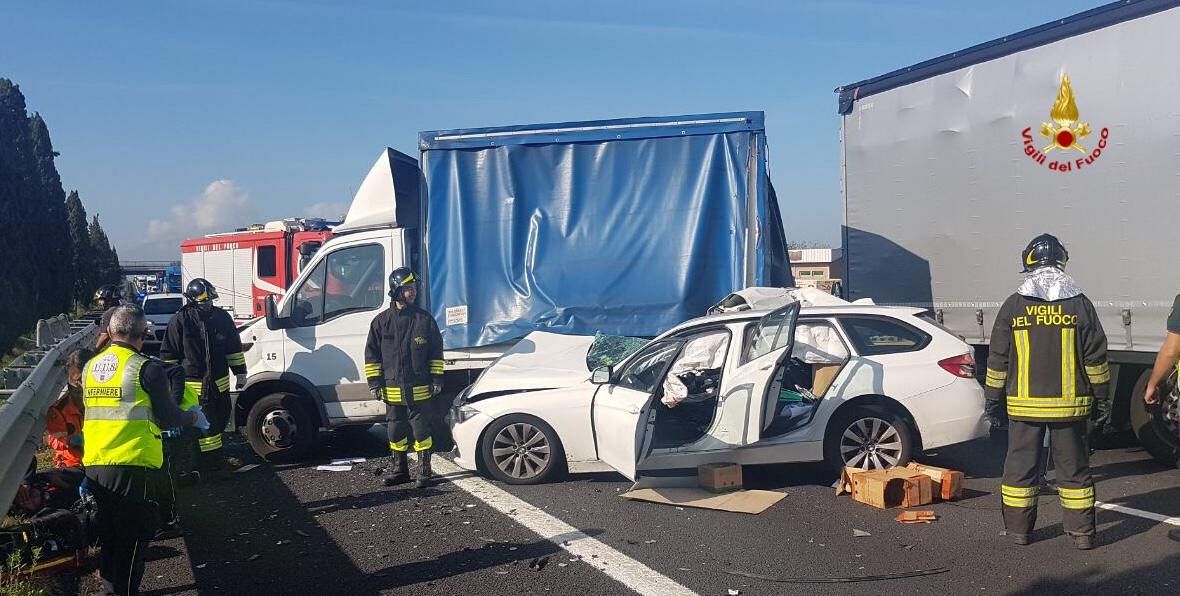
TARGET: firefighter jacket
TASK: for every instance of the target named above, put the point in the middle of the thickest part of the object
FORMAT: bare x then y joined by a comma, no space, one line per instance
1048,358
404,349
205,342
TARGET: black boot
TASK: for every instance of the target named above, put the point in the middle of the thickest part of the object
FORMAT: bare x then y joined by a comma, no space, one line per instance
425,475
401,470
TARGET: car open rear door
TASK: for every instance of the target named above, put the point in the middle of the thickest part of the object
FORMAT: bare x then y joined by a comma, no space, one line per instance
745,391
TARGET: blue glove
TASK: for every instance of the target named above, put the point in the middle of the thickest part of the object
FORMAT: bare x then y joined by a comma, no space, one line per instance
201,422
76,441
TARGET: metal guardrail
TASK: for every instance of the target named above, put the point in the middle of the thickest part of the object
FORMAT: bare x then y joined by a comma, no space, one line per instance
30,385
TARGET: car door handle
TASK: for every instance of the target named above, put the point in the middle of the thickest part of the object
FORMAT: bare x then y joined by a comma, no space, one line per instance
632,410
767,367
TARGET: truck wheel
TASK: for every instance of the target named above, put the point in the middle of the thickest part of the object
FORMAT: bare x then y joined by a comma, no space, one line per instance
521,449
280,428
868,437
1155,425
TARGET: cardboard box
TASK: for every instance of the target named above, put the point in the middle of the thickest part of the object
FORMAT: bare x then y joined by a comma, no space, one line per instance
949,482
822,376
719,478
886,489
916,517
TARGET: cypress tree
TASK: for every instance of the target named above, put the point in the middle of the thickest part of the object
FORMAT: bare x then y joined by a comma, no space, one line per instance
82,256
106,265
54,282
19,188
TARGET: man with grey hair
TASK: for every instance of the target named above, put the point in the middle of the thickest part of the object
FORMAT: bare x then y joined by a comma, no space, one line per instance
128,398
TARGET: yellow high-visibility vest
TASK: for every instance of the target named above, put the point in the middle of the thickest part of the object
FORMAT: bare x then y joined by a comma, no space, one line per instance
119,428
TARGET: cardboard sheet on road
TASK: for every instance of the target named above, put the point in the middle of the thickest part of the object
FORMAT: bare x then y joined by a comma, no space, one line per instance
742,501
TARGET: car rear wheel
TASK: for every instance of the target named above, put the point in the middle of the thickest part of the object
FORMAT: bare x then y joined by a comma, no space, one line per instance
520,449
868,437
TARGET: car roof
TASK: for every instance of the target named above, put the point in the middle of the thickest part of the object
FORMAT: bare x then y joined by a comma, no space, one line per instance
843,309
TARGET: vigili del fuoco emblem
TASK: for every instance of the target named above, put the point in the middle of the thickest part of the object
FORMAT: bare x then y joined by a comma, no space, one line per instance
1065,134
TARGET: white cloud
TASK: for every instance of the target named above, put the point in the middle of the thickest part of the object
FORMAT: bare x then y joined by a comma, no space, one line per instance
331,211
220,208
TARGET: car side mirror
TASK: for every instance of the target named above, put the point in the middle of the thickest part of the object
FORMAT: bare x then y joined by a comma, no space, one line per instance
273,321
601,375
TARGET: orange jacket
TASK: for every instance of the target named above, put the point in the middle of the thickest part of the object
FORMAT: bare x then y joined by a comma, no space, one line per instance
63,422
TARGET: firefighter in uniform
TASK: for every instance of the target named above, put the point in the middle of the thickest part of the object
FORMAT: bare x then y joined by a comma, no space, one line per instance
127,399
404,367
1047,371
1166,361
203,339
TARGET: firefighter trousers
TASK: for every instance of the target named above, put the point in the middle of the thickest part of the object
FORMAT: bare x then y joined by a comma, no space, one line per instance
215,405
408,424
1071,458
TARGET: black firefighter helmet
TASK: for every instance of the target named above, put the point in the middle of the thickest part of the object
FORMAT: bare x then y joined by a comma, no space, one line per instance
199,290
401,277
1044,251
108,292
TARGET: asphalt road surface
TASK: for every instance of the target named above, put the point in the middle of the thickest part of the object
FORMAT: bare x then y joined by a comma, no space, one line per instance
296,530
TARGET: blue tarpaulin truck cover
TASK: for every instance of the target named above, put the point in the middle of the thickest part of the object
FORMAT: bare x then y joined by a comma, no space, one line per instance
624,227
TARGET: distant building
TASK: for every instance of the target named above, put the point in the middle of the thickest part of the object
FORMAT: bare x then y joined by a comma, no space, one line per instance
821,268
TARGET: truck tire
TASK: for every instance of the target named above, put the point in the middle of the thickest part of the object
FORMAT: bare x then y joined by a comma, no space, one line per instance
538,455
1151,423
280,428
868,437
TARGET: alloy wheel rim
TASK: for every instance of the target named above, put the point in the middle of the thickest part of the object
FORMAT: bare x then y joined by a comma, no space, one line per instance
870,443
521,450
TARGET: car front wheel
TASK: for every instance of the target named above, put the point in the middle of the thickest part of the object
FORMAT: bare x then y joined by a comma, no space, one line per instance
520,449
870,438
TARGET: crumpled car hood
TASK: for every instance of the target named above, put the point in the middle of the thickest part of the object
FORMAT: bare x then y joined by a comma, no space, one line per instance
540,360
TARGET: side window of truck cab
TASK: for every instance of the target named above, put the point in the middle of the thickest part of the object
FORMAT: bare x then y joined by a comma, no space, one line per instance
349,280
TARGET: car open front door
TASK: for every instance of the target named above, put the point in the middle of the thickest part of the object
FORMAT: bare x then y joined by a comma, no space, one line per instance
621,409
744,393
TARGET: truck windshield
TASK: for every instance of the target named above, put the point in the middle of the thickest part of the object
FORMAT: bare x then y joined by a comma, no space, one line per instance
162,306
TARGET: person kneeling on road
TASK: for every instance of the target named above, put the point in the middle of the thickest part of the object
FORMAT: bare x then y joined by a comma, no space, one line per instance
127,398
404,367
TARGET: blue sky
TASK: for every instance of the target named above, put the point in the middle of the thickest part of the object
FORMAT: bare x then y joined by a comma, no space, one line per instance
180,119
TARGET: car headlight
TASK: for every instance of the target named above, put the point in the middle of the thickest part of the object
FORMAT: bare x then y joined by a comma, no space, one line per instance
464,413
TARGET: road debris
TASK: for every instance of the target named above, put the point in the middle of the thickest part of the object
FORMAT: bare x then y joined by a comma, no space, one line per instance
254,557
916,517
539,563
860,533
302,533
334,468
245,468
348,461
733,592
840,580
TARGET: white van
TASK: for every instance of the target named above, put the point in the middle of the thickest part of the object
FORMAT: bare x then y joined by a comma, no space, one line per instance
306,357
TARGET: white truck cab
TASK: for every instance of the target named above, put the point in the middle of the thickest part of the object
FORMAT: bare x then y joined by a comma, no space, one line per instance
306,357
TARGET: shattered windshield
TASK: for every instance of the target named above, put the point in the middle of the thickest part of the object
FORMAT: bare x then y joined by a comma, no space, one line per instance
609,350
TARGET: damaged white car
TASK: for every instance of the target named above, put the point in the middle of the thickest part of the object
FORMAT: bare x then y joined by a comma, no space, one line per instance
847,384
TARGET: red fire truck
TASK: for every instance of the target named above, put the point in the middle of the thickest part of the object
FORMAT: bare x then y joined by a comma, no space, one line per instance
248,264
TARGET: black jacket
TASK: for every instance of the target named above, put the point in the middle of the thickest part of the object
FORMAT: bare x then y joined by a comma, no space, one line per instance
204,340
404,349
1048,359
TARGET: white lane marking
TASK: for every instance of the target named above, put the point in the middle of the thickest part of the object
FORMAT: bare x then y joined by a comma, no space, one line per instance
1163,519
623,569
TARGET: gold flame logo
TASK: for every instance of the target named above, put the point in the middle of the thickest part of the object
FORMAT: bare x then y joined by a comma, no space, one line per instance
1063,132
